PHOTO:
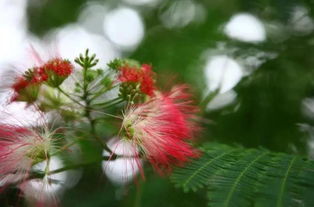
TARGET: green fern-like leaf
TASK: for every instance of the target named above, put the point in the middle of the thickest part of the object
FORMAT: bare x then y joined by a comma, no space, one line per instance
238,177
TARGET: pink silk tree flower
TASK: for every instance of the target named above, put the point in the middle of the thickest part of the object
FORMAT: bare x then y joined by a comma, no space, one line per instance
161,127
20,148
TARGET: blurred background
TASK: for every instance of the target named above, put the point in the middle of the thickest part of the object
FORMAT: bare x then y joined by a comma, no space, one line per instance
256,57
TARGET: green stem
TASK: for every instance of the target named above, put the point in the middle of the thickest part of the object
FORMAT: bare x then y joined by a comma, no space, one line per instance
36,174
63,148
110,103
102,118
87,110
138,195
48,164
102,91
80,165
208,99
67,95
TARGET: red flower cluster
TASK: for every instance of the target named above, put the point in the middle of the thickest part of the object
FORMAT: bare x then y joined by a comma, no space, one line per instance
20,84
58,66
26,90
53,72
142,75
160,128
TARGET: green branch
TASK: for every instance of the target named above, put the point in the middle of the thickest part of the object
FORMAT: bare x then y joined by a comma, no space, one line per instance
68,96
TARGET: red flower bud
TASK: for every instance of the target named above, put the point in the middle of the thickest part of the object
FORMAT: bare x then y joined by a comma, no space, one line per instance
142,76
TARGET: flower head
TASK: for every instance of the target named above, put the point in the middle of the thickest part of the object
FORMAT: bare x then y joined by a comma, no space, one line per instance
26,89
20,148
55,71
51,72
137,79
161,127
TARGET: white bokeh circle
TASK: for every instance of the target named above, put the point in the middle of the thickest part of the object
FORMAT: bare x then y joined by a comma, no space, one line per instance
245,27
121,170
222,73
124,27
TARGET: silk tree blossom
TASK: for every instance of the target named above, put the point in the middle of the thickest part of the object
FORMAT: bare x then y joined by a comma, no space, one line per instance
139,77
155,126
20,148
160,128
51,72
55,71
25,89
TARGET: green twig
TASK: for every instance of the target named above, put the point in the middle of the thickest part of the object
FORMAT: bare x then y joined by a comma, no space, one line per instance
210,96
80,165
102,91
67,95
87,109
109,103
